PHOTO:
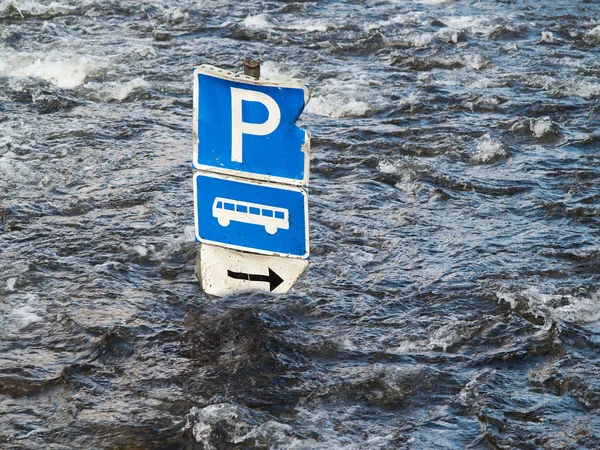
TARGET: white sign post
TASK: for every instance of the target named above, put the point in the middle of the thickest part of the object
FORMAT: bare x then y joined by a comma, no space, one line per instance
251,175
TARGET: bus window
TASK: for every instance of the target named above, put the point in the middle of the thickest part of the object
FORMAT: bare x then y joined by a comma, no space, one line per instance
220,205
229,206
279,215
267,213
242,208
255,211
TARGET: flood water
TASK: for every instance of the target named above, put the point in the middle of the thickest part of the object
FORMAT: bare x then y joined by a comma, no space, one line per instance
452,301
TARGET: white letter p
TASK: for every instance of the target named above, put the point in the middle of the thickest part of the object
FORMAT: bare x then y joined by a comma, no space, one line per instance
239,127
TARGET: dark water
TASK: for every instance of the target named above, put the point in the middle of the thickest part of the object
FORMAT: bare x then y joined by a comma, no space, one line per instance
453,297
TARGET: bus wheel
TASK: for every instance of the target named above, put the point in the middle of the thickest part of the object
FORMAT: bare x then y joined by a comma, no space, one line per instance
271,229
223,222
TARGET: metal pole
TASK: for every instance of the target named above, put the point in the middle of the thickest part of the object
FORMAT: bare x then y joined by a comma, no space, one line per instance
252,68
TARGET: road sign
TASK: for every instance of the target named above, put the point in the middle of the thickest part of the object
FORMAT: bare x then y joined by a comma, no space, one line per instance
260,217
223,271
247,127
250,198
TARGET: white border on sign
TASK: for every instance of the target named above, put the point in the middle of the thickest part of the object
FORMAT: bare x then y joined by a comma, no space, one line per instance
263,81
256,183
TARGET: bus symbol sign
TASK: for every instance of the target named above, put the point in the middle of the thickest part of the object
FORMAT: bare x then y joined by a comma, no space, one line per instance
271,217
260,217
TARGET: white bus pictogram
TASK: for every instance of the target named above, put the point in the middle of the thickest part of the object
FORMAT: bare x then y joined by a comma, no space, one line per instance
270,217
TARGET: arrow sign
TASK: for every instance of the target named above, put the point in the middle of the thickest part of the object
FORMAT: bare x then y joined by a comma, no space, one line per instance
223,271
273,279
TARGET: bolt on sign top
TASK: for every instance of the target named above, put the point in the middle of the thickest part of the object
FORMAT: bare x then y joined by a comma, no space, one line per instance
247,127
250,183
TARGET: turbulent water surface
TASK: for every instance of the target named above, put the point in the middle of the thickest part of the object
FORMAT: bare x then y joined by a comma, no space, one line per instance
452,301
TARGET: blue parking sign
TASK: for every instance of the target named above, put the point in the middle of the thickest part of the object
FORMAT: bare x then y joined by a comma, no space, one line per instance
247,128
253,216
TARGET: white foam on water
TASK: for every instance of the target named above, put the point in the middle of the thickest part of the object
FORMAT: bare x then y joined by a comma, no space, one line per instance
583,88
547,37
262,22
234,424
476,24
555,306
63,70
276,433
18,134
141,250
409,185
64,74
572,62
327,426
19,311
343,96
476,61
122,91
257,22
48,26
10,284
174,15
435,338
510,47
337,105
25,315
35,8
310,25
5,141
275,70
541,127
471,24
594,35
115,90
107,266
412,99
488,149
13,171
387,167
541,81
137,249
482,82
189,233
174,244
271,69
400,19
422,40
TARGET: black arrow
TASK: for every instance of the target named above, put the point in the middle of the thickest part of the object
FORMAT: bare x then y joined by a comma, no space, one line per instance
273,279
